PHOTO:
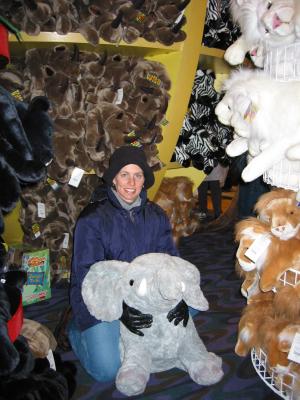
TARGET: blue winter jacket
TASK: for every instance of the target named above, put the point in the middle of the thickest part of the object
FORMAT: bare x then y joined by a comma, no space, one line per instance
106,231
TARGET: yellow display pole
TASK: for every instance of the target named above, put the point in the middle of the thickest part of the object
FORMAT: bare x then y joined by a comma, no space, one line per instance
182,76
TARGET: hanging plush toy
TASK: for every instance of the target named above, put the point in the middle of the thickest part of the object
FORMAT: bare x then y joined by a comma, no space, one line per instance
263,113
265,26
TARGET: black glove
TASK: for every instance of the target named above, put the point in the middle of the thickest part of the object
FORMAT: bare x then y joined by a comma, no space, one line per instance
180,313
134,320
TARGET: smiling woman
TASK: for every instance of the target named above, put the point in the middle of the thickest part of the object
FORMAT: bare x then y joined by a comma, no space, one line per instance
119,225
129,182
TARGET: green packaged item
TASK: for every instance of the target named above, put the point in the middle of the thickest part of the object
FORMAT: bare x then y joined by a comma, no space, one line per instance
37,286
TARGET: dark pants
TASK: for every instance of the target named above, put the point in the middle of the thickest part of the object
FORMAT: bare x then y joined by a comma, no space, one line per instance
215,190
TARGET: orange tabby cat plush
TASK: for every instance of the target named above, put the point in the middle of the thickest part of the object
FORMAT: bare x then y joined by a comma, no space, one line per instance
252,318
279,208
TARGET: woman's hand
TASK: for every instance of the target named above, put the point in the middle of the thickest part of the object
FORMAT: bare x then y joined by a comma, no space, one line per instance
134,320
179,313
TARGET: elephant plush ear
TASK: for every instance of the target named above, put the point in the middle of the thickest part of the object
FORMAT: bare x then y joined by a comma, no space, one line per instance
102,289
194,297
192,293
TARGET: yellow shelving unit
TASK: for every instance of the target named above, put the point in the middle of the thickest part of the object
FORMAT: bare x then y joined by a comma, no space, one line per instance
180,60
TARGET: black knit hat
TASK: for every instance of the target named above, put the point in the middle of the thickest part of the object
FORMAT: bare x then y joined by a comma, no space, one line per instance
128,155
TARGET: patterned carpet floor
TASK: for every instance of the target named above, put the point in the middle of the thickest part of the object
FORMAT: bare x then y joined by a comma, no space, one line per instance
213,254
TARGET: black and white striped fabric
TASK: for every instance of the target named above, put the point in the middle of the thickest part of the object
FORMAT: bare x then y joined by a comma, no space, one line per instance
203,139
219,30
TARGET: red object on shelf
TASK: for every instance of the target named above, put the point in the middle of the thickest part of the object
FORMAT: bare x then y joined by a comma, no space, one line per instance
4,47
14,325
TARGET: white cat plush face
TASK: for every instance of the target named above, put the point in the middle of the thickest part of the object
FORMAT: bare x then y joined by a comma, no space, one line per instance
264,24
271,21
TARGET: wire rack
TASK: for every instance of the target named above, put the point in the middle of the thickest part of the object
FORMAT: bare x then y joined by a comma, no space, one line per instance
276,381
291,277
283,64
280,383
285,174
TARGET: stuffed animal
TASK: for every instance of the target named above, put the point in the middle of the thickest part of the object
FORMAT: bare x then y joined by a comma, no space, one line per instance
280,210
175,197
287,302
21,374
246,232
277,256
249,325
152,283
251,98
264,26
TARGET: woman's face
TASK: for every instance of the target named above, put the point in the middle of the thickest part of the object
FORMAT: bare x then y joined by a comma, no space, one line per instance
129,182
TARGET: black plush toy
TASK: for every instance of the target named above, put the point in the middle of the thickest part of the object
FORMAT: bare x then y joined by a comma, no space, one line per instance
22,376
25,146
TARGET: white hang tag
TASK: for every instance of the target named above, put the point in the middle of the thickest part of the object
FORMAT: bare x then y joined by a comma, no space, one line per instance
120,94
294,353
178,19
65,243
76,177
51,360
257,247
41,210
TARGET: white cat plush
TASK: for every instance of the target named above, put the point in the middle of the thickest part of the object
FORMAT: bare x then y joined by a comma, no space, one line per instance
266,25
265,116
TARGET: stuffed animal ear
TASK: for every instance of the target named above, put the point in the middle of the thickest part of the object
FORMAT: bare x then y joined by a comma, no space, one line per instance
192,294
102,289
194,297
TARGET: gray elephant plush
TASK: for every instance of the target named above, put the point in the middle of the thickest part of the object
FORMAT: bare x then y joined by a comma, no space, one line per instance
154,284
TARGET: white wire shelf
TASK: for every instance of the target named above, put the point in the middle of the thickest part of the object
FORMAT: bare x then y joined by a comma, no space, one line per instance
273,379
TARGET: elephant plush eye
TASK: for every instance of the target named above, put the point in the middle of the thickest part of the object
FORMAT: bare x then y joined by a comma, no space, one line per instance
131,282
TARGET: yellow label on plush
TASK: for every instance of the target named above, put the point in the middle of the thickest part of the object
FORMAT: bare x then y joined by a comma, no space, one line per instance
17,95
140,17
250,113
153,78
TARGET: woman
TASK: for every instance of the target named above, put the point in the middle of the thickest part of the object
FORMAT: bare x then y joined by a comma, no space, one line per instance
121,225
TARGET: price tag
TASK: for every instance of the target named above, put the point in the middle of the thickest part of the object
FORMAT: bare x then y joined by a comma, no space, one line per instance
51,360
294,353
178,19
76,176
120,94
257,247
41,210
65,243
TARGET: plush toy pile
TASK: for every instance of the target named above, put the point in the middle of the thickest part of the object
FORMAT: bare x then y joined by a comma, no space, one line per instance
99,102
268,260
202,139
175,197
153,283
219,30
25,146
254,102
111,21
27,370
